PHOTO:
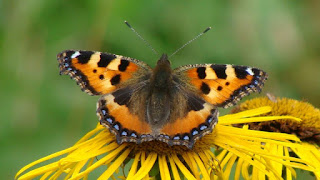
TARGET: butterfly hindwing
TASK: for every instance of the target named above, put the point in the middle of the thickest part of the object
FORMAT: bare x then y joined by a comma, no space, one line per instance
100,73
222,85
114,113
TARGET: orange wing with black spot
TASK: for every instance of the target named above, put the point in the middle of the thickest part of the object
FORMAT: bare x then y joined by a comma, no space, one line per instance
126,126
100,73
222,85
116,78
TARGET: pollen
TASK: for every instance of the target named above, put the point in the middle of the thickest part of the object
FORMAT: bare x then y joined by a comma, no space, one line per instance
159,147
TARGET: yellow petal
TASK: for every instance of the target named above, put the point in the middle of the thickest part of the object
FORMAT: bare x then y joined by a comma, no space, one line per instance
257,119
91,133
163,166
115,165
146,167
182,168
201,166
228,130
229,164
192,164
247,113
134,165
113,154
89,164
174,169
41,170
47,174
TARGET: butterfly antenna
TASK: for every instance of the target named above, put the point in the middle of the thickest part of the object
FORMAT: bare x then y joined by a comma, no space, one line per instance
154,51
206,30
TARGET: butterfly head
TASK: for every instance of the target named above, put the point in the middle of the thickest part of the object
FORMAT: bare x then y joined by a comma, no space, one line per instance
163,61
162,72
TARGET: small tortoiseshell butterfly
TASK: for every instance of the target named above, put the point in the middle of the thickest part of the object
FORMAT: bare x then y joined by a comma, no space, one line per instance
175,106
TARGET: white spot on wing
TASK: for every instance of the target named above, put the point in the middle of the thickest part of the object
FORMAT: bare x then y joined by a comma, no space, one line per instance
249,71
114,64
95,58
230,71
76,54
210,73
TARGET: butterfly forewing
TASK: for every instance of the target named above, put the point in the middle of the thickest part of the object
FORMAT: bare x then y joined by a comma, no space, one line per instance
100,73
222,85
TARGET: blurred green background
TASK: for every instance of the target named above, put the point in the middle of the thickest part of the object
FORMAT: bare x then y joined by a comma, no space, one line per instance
42,112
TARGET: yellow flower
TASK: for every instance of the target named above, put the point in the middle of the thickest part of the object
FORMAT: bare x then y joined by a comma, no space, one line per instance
255,154
308,129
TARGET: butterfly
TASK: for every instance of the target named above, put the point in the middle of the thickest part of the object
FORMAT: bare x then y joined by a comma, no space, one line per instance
139,103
